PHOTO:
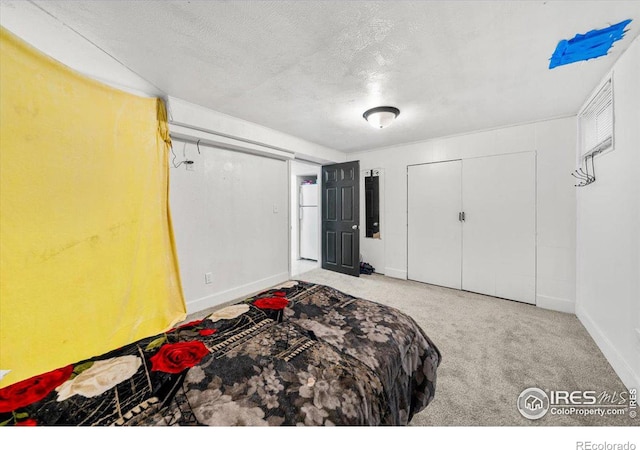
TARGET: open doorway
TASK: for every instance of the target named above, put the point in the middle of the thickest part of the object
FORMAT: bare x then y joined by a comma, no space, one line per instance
304,217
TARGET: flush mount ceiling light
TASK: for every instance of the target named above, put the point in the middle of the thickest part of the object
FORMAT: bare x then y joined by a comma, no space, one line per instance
382,116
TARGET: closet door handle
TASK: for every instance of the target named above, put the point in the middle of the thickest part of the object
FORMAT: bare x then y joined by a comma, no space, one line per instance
463,217
459,217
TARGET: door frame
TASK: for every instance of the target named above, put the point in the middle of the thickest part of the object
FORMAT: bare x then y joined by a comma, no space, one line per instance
293,197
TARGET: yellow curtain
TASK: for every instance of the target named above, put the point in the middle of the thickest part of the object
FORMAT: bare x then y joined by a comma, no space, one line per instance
87,256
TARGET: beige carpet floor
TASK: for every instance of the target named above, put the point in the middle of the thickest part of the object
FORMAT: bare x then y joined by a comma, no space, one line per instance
492,350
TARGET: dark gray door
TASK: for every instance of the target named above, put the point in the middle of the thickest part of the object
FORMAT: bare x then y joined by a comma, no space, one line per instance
341,218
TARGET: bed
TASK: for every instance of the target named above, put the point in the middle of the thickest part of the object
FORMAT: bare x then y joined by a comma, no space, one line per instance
298,354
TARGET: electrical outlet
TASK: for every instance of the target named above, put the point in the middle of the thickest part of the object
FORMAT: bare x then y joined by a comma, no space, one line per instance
275,209
191,166
208,278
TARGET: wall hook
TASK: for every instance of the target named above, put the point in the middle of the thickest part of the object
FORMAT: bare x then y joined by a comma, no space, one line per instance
583,176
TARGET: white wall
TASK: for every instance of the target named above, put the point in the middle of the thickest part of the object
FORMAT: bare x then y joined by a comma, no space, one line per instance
608,232
230,218
554,143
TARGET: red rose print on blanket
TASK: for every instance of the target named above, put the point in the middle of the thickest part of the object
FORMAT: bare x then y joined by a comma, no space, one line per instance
207,332
186,325
29,391
174,358
271,303
27,423
191,324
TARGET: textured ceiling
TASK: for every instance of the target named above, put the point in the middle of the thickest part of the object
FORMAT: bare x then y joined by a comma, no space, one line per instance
311,68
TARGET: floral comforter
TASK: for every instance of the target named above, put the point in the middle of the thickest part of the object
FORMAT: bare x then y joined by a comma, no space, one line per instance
299,354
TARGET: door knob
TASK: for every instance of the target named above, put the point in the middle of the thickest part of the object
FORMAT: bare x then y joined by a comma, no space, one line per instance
354,227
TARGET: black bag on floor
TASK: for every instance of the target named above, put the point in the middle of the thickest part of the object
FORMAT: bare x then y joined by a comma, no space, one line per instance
366,268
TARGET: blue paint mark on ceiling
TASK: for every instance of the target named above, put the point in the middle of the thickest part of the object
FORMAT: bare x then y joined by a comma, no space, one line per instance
582,47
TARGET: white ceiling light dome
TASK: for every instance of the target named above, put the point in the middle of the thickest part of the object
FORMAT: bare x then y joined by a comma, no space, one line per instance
381,116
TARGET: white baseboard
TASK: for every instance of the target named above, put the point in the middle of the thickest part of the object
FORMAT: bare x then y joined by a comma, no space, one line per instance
624,370
556,304
235,293
395,273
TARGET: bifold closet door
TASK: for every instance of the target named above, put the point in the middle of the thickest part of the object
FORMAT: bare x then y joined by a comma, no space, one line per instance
498,247
434,230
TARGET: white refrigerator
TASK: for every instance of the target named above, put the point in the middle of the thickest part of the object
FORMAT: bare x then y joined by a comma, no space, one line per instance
308,216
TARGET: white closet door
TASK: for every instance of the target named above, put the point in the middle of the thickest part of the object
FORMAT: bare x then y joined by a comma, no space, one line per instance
499,229
434,231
